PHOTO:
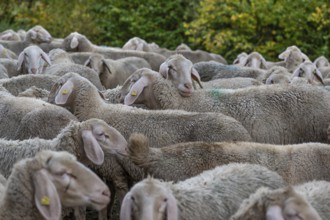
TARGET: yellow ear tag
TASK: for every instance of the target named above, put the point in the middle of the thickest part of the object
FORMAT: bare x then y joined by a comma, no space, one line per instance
65,92
133,93
45,200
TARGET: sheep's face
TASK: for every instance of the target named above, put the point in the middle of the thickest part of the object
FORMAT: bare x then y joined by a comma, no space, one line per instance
181,72
149,200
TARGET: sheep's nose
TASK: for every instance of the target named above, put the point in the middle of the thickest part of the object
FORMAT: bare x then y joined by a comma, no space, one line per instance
34,70
188,85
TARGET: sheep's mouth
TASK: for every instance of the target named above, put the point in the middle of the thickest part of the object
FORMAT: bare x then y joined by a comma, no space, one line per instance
99,202
185,93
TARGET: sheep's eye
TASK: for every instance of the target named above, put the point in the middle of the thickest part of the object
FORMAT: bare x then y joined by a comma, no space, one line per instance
301,72
271,82
165,200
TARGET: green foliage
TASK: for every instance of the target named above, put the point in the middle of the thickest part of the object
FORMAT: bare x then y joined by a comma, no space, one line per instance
229,27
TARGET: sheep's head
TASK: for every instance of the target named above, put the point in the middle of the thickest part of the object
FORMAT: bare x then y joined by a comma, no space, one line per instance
254,59
58,179
136,43
181,72
33,58
98,137
149,199
309,71
38,35
76,42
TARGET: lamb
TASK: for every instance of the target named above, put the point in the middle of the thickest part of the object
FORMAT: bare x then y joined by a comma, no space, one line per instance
251,106
214,70
39,186
309,71
32,60
14,109
84,102
306,201
321,61
114,72
76,42
64,65
35,35
214,194
296,163
9,35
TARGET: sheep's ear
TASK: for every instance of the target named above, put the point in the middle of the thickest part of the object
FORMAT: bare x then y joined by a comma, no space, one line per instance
263,63
139,46
319,76
171,208
195,76
244,61
106,65
126,207
284,54
64,93
74,42
45,196
274,213
136,90
33,34
163,70
92,148
45,57
88,62
20,60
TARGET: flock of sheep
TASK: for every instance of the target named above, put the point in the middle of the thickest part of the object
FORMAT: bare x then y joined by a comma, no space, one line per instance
146,133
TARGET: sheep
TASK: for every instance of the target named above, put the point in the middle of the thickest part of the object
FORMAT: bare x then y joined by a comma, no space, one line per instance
114,72
254,59
270,114
64,65
182,46
14,109
136,43
214,194
305,201
5,53
214,70
321,61
277,75
292,57
76,42
9,35
296,163
10,66
240,57
36,35
309,71
18,84
39,186
92,141
181,72
35,92
32,60
84,102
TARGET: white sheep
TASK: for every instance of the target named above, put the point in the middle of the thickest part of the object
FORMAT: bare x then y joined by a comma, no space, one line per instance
254,59
239,58
309,200
32,60
214,194
277,75
309,71
14,109
10,66
214,70
36,35
270,114
183,160
114,72
35,92
321,61
39,186
76,42
5,53
292,57
9,35
85,102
